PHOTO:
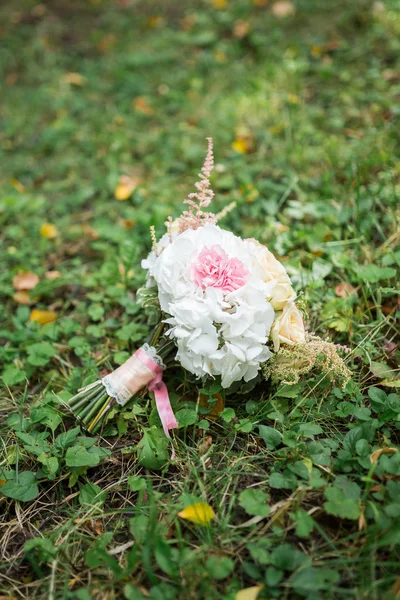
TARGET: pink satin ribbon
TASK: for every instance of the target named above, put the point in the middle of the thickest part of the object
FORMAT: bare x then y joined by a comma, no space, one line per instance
158,387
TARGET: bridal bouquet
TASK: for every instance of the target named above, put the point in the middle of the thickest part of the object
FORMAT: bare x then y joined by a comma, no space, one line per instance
227,309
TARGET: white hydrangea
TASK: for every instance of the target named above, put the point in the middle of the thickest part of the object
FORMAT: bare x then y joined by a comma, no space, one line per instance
219,291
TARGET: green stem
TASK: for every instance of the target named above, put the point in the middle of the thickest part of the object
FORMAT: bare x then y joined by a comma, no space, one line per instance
97,422
94,409
79,400
88,407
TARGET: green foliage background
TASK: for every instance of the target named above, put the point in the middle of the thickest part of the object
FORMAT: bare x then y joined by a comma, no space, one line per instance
302,109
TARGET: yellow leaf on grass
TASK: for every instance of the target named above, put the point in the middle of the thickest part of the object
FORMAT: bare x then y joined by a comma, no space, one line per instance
215,408
52,274
240,145
17,185
241,28
200,513
250,593
220,4
283,9
74,79
345,289
125,187
48,231
43,316
25,280
23,297
142,105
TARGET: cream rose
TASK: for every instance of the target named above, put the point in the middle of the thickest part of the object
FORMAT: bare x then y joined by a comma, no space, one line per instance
269,267
282,294
288,327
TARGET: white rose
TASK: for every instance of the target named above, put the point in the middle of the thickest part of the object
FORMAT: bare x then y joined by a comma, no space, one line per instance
288,327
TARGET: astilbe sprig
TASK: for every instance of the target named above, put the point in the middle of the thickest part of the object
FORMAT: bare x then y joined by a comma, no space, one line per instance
195,216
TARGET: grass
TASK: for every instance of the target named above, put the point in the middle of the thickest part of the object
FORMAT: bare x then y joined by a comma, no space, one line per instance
302,110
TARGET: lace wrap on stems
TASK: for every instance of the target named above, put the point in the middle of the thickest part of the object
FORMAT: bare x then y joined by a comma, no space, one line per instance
133,375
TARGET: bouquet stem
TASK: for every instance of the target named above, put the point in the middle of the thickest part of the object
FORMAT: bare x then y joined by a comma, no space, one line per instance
143,369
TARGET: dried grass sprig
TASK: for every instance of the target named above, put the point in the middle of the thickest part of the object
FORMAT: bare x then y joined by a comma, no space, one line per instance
290,363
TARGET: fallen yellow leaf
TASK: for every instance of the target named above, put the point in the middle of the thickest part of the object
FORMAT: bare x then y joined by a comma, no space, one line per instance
106,42
141,105
155,21
74,79
220,57
293,99
283,9
17,185
241,28
215,409
220,4
250,593
375,455
25,280
52,274
48,231
43,316
127,223
240,145
125,187
23,297
200,513
344,289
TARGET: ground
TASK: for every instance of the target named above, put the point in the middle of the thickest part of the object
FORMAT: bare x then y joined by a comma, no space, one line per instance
301,100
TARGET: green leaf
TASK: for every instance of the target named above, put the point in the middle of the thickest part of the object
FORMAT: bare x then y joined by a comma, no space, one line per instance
139,527
287,557
163,556
39,354
91,494
313,579
136,483
95,312
65,439
23,489
280,481
219,567
13,375
42,547
227,415
153,449
373,273
254,502
289,391
47,416
304,523
259,551
244,425
343,499
131,592
49,462
78,456
377,395
271,436
310,429
186,417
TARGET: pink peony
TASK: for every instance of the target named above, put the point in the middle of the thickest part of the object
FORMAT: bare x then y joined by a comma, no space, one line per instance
214,268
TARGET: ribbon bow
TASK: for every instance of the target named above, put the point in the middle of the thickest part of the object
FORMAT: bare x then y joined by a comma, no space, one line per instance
158,387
